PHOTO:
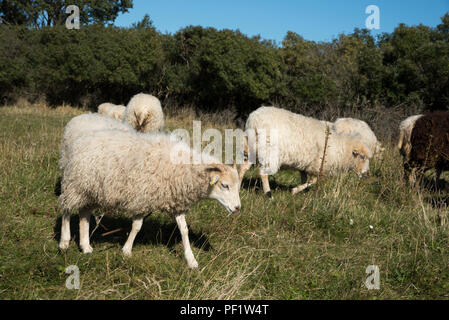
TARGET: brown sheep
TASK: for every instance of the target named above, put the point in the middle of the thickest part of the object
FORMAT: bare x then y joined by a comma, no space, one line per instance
429,145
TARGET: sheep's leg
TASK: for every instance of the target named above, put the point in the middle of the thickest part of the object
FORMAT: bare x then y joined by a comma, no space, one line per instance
303,177
243,169
265,184
437,176
409,173
65,231
406,172
137,225
304,186
412,176
182,225
84,215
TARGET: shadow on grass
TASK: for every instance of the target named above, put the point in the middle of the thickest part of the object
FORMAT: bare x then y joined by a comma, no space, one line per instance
116,230
438,202
428,183
256,184
438,198
57,189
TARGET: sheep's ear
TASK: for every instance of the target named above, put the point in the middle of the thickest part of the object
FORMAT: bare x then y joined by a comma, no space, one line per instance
214,167
216,170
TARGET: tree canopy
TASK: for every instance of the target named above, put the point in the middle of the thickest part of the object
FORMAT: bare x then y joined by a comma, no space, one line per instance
215,70
46,13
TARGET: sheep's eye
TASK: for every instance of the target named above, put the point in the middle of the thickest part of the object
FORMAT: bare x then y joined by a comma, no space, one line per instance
362,157
225,186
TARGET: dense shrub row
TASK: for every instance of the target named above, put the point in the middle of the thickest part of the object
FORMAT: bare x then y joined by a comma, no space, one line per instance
215,70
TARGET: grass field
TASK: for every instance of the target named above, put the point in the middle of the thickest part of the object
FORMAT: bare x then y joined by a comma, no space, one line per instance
315,245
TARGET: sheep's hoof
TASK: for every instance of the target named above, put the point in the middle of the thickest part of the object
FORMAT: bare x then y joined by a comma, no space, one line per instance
192,264
63,246
127,252
269,195
87,249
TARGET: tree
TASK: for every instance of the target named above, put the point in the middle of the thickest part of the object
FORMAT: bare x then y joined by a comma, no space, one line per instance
145,23
215,69
44,13
11,12
443,28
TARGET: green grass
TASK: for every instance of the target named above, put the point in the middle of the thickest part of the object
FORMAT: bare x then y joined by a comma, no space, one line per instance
293,247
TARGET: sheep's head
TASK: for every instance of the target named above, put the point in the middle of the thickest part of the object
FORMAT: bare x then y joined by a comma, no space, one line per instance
224,186
361,154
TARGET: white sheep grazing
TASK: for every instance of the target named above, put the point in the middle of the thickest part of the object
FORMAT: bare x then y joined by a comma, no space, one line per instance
135,173
360,129
144,113
300,145
104,108
82,125
112,111
405,134
116,112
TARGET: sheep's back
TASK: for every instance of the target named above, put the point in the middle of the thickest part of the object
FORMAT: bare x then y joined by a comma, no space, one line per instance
300,138
130,172
357,128
430,140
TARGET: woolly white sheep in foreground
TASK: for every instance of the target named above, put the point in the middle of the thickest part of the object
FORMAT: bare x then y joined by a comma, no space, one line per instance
360,129
134,173
83,125
405,134
144,113
300,144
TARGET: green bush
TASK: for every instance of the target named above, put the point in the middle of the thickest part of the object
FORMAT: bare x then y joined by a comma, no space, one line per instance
214,70
218,69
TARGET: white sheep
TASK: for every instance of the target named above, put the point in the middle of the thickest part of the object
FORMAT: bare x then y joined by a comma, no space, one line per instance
360,129
112,110
82,125
405,133
117,112
300,145
104,108
144,113
135,173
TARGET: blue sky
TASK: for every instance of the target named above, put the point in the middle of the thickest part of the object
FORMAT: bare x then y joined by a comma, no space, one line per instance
319,20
